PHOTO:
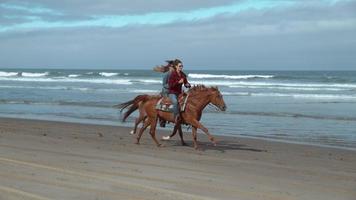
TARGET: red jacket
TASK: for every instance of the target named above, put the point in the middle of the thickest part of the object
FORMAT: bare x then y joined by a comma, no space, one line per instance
174,86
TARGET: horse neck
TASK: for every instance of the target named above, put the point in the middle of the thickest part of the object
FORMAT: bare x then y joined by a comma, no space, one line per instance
200,100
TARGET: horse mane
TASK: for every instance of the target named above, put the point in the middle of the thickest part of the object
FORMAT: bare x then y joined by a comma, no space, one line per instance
201,88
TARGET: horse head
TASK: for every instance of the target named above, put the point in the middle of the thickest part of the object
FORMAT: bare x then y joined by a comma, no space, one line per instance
217,99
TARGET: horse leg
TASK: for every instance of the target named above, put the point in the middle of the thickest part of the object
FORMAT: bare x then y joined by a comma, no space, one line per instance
173,133
205,130
145,125
137,122
194,135
153,130
181,135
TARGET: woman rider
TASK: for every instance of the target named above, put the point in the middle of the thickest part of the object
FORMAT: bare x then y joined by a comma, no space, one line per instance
175,82
167,69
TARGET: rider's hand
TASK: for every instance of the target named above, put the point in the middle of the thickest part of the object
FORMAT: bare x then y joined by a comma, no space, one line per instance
181,81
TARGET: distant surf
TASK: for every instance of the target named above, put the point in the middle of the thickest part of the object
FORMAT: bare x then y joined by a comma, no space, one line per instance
288,105
210,76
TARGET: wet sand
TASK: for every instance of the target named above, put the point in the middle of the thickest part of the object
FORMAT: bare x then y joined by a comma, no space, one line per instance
57,160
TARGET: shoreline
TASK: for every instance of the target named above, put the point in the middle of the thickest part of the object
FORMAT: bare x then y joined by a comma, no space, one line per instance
60,160
168,131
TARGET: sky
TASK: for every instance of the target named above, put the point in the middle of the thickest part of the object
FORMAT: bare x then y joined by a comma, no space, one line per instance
204,34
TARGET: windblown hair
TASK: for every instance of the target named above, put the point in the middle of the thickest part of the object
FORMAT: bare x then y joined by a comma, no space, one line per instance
165,68
161,69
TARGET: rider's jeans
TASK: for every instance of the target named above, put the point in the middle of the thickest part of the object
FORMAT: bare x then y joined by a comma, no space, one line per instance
174,100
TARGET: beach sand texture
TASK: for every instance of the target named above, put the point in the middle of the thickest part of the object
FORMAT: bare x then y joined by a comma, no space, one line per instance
57,160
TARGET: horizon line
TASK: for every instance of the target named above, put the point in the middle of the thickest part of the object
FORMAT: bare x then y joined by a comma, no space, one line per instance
149,69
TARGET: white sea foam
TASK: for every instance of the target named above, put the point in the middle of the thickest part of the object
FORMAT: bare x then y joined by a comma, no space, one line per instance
30,74
290,88
73,75
150,81
45,87
108,74
306,86
308,96
98,81
206,76
236,93
6,74
145,91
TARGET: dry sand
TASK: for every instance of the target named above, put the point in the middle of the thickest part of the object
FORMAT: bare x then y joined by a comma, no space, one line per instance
56,160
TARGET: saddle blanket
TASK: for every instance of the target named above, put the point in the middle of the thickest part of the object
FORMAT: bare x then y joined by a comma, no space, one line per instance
165,104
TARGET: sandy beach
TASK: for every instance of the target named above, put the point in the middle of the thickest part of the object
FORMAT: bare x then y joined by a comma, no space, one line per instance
56,160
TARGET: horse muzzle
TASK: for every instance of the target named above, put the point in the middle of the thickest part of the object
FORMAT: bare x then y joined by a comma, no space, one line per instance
223,108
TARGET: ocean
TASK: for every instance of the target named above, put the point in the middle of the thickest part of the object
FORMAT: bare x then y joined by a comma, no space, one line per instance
313,107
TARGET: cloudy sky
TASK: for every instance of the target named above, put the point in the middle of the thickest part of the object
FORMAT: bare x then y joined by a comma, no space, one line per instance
205,34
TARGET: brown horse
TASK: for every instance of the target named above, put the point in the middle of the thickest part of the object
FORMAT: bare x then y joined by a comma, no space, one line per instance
137,103
199,97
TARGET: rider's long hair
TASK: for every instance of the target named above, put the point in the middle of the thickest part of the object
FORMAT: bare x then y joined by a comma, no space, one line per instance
165,68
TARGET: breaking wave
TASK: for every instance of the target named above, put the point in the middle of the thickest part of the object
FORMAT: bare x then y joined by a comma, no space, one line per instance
209,76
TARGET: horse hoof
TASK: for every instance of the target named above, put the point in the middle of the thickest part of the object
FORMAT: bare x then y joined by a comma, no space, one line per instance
166,137
184,144
160,145
132,132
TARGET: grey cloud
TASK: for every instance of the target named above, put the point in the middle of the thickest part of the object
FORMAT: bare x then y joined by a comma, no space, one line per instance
305,37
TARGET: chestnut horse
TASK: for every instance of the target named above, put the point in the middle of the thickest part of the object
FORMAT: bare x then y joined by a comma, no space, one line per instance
199,97
137,103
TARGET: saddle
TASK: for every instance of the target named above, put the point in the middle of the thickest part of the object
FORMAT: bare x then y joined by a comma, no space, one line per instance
165,103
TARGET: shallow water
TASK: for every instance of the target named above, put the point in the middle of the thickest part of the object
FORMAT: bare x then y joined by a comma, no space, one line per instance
312,107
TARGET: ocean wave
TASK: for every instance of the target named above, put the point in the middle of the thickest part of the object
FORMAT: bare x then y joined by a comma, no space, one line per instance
148,81
72,80
6,74
207,76
295,95
293,115
41,77
58,103
108,74
47,87
297,85
236,93
30,74
308,96
73,75
306,86
145,91
290,88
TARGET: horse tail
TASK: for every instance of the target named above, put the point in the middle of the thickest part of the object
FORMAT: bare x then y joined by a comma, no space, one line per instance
132,105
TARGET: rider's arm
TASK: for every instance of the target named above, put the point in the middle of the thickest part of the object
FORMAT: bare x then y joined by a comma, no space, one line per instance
186,83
